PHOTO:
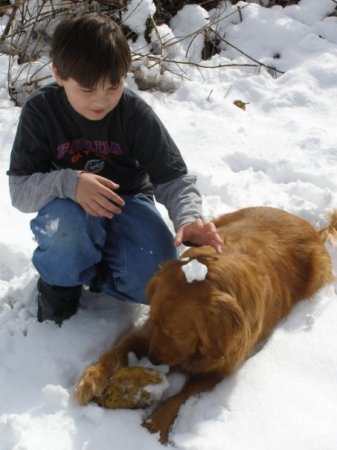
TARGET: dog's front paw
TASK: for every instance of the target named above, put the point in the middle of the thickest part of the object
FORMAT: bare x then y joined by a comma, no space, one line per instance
92,383
160,421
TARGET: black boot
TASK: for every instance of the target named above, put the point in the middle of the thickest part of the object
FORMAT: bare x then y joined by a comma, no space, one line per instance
56,303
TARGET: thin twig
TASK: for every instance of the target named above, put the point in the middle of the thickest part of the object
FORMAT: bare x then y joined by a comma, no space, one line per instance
245,54
159,60
10,20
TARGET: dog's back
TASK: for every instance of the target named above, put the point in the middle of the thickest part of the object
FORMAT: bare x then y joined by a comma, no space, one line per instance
270,260
289,244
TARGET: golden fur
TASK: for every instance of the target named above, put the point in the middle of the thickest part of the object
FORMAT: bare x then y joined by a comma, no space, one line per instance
270,260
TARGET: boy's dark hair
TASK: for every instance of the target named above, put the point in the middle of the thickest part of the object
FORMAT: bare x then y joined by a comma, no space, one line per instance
90,48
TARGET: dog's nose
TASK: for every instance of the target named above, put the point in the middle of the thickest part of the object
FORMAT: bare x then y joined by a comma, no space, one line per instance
155,360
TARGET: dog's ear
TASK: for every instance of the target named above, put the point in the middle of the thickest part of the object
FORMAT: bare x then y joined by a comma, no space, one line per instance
221,326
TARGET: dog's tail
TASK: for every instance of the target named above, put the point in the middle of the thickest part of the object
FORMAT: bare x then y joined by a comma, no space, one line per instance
329,232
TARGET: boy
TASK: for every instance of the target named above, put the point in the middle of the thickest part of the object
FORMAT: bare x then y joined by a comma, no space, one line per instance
89,156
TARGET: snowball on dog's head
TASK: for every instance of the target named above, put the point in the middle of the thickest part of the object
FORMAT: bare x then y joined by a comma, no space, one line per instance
194,270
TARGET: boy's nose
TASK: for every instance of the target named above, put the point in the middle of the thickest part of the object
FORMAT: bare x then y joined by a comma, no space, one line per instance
100,97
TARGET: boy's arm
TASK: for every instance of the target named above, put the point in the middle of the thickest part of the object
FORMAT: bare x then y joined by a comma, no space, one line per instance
173,186
30,193
183,202
95,194
181,199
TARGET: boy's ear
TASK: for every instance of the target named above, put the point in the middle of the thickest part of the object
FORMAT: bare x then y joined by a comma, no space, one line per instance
57,76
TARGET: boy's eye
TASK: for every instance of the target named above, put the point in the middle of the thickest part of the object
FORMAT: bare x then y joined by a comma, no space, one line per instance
115,87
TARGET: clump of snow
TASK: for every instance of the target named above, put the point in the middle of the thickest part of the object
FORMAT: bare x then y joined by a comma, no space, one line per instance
189,20
156,390
52,226
93,413
136,14
56,395
145,362
194,270
164,42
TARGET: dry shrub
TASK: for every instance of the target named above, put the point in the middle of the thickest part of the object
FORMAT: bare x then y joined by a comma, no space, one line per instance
26,39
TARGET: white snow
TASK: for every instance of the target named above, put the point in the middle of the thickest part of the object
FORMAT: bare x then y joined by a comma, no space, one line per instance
281,151
136,14
189,20
194,270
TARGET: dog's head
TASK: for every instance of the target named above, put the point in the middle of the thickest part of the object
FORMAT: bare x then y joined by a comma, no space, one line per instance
191,320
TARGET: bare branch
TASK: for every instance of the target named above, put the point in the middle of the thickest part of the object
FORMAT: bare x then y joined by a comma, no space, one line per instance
26,38
10,21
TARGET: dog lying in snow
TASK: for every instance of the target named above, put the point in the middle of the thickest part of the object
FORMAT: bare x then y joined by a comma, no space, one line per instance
206,328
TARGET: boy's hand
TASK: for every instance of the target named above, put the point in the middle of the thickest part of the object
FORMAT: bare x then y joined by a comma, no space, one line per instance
97,197
199,233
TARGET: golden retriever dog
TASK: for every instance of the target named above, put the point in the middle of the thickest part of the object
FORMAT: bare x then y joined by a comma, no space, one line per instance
206,328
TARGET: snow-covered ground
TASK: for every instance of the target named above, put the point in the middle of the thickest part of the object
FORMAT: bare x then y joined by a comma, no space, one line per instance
281,151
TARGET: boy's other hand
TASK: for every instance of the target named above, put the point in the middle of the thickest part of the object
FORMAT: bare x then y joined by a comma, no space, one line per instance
199,233
97,197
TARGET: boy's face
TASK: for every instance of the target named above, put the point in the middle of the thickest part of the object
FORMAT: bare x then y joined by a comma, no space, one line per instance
95,103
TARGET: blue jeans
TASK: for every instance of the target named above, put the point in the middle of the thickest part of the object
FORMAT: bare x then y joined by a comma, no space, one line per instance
124,252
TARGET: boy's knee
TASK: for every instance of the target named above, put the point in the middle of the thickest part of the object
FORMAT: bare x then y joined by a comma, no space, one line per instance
59,221
62,209
65,219
69,243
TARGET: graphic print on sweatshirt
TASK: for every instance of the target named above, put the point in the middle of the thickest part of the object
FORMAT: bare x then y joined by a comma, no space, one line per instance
79,149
